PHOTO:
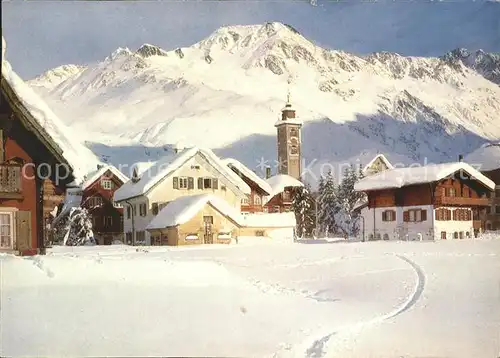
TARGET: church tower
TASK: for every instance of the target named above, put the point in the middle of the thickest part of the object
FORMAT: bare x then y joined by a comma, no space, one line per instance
289,142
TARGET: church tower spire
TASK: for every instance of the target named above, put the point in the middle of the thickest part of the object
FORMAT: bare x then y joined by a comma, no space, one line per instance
289,141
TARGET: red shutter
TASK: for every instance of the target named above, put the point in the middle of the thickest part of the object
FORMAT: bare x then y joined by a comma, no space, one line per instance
406,216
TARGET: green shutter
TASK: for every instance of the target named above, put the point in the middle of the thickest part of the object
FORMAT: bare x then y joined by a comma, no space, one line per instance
215,183
200,183
190,183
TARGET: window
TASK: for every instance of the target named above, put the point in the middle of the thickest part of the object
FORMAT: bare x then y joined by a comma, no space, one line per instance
183,183
276,209
455,235
487,210
388,215
294,132
6,233
128,238
192,236
117,205
386,237
443,235
108,221
208,183
497,209
286,195
415,215
107,184
223,187
257,200
245,201
10,179
451,192
497,193
259,233
129,210
154,208
94,201
143,209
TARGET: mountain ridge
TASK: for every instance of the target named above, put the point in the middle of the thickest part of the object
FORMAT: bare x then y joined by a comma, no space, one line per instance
237,78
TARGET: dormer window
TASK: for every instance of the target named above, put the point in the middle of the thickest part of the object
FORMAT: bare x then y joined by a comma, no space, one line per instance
106,184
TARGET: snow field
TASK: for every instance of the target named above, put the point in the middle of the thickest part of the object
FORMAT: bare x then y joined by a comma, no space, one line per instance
344,299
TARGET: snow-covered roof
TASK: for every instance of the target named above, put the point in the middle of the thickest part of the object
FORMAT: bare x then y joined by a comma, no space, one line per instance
183,209
486,157
271,220
72,199
401,177
381,157
288,121
167,165
40,119
279,182
95,175
234,164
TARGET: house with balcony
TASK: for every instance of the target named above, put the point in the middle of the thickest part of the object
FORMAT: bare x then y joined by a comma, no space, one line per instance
181,172
98,189
487,159
430,202
34,169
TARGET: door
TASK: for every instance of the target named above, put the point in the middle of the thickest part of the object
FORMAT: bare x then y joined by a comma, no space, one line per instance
208,221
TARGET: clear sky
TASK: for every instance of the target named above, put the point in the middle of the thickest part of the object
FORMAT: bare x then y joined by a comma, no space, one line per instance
44,34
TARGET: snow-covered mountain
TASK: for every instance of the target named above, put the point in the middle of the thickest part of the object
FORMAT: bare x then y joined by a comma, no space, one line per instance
226,91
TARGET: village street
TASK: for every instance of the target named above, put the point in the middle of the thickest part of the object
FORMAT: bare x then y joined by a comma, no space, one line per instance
382,299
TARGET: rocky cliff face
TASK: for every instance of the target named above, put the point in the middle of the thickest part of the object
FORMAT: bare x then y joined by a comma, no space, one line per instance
226,92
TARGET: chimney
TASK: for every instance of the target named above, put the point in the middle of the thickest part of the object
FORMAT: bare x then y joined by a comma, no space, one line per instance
268,172
135,176
460,158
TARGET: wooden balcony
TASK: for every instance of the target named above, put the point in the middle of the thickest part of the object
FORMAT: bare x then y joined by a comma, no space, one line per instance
10,181
460,201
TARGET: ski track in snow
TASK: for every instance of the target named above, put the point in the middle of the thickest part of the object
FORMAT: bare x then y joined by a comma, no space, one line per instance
318,348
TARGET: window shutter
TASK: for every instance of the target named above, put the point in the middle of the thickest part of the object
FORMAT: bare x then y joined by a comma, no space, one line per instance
215,183
393,215
155,208
406,216
424,215
176,182
200,183
23,230
454,215
384,215
190,183
2,154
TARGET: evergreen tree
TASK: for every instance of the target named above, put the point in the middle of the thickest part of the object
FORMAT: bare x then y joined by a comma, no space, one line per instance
347,220
327,205
74,228
303,207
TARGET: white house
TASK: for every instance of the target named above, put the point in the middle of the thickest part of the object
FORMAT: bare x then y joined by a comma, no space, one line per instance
423,203
191,171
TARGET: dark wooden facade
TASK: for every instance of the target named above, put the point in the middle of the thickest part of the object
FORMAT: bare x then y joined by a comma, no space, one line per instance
255,199
28,159
490,216
281,202
107,217
448,192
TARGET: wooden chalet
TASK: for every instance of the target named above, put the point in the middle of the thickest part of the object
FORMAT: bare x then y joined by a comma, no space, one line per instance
97,197
429,202
259,188
282,191
33,172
